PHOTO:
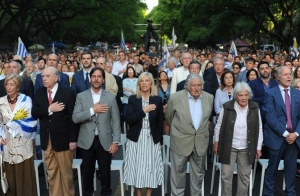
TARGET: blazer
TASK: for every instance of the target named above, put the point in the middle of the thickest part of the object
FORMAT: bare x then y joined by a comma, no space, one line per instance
63,80
135,114
185,139
214,84
107,124
78,83
220,99
25,88
275,116
59,125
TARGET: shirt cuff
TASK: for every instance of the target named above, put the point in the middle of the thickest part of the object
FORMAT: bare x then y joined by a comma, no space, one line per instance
49,112
285,133
92,111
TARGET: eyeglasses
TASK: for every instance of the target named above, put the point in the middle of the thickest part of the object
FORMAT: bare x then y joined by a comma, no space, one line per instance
236,68
297,87
130,71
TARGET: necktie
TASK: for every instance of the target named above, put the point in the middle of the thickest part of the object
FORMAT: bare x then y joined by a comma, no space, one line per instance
288,111
49,97
87,82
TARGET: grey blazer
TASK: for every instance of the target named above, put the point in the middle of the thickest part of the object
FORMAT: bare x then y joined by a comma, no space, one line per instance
108,124
183,136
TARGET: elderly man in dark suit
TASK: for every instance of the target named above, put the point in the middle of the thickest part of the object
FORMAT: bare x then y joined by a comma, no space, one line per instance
54,105
97,112
52,61
26,86
188,113
281,131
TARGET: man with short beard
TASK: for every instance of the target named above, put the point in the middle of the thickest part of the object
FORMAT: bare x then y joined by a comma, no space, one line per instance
81,79
261,84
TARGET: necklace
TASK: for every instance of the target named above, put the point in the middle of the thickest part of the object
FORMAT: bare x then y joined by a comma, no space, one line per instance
12,101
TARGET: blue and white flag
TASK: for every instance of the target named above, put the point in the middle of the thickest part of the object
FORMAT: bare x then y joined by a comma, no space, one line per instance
22,52
174,37
233,50
123,45
166,55
53,48
295,49
21,121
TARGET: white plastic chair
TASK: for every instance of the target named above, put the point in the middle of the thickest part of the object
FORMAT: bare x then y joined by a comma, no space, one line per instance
166,162
116,165
264,164
37,163
76,165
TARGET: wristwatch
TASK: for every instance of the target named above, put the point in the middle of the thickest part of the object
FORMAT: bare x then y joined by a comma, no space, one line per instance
297,134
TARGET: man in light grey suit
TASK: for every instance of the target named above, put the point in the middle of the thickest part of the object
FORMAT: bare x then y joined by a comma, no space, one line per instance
97,112
188,113
241,77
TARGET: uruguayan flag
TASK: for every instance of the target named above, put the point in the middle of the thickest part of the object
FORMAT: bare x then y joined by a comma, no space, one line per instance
174,37
233,50
123,45
22,52
166,55
21,122
294,49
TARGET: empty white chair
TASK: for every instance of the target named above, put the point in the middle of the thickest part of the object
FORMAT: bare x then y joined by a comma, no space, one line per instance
37,163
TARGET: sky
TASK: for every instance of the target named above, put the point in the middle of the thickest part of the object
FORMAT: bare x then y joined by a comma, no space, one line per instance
151,4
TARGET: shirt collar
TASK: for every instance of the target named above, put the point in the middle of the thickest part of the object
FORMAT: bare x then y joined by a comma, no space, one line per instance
54,89
96,93
84,72
282,89
191,97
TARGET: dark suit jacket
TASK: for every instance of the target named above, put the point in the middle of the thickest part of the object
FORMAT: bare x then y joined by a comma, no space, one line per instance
214,84
258,90
59,125
78,83
120,91
26,88
63,80
276,119
135,114
208,72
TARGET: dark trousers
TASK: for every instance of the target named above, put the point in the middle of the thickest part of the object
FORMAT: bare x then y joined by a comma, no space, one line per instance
289,154
89,157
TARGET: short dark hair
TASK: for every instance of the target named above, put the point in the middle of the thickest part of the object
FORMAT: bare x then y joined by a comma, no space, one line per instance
250,59
41,59
194,62
238,64
98,68
86,52
261,63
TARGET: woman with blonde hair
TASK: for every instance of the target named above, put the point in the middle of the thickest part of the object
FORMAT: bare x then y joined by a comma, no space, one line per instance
143,161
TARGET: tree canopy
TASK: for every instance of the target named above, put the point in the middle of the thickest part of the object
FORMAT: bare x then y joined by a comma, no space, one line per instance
207,22
68,20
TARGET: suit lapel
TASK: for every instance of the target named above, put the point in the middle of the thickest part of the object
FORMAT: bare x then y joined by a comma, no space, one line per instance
293,101
81,78
58,94
280,99
44,96
186,106
89,98
204,104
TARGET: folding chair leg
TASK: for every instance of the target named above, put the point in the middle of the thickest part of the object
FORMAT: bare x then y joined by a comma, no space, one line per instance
132,190
212,179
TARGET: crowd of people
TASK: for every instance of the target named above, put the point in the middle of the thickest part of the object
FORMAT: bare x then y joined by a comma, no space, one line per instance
241,108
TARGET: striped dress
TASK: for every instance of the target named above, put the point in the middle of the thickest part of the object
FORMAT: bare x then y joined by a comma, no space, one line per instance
143,161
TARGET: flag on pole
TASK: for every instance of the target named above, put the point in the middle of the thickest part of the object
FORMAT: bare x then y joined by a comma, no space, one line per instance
174,37
295,49
166,55
123,45
22,52
53,48
233,50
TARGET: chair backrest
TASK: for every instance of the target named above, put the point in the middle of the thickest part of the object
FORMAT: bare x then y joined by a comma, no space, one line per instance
166,149
122,143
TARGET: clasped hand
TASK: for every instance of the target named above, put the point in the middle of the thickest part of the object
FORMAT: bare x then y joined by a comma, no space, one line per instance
290,138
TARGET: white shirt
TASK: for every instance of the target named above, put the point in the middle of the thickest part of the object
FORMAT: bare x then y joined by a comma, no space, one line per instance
239,140
118,66
283,97
54,90
84,74
195,110
186,72
96,98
